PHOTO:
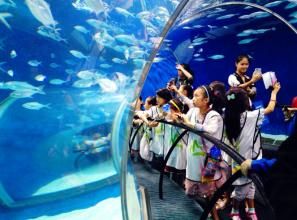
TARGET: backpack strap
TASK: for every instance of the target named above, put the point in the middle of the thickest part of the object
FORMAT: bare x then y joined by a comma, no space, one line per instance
257,134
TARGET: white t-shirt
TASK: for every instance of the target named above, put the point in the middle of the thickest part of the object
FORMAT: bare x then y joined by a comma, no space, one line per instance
178,157
157,143
198,148
232,81
249,122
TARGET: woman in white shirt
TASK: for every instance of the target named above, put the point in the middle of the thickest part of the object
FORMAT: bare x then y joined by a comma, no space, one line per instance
240,79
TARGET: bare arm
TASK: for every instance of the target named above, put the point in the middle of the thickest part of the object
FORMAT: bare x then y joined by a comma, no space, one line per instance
271,105
185,72
183,98
255,78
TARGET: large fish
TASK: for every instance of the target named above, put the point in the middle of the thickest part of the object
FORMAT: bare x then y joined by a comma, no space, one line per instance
93,6
21,86
42,12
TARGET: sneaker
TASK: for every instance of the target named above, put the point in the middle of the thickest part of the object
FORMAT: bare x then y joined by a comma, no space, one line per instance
252,216
235,216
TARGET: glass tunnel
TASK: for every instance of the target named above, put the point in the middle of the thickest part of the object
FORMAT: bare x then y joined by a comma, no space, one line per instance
71,70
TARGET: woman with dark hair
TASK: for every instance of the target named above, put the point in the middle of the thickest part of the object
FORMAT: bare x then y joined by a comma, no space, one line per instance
241,80
203,118
241,126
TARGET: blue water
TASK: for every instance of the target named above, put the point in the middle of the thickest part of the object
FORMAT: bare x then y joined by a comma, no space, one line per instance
46,122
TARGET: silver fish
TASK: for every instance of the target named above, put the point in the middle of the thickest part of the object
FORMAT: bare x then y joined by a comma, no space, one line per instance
126,39
217,57
34,63
40,77
81,29
119,61
92,6
123,12
10,73
247,41
35,105
78,54
291,5
87,74
199,59
273,4
42,12
13,54
21,86
258,14
23,94
57,81
226,16
103,38
105,66
83,83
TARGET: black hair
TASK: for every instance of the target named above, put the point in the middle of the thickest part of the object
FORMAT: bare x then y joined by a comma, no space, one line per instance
207,93
164,94
152,100
189,90
237,103
241,57
218,92
178,103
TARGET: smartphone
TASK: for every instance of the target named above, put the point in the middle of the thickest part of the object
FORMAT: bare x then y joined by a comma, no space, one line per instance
258,70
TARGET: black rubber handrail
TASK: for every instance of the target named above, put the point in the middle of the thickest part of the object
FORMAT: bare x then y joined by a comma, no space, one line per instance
134,136
165,162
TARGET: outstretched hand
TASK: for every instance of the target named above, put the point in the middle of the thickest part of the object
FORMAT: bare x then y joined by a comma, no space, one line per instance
276,87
